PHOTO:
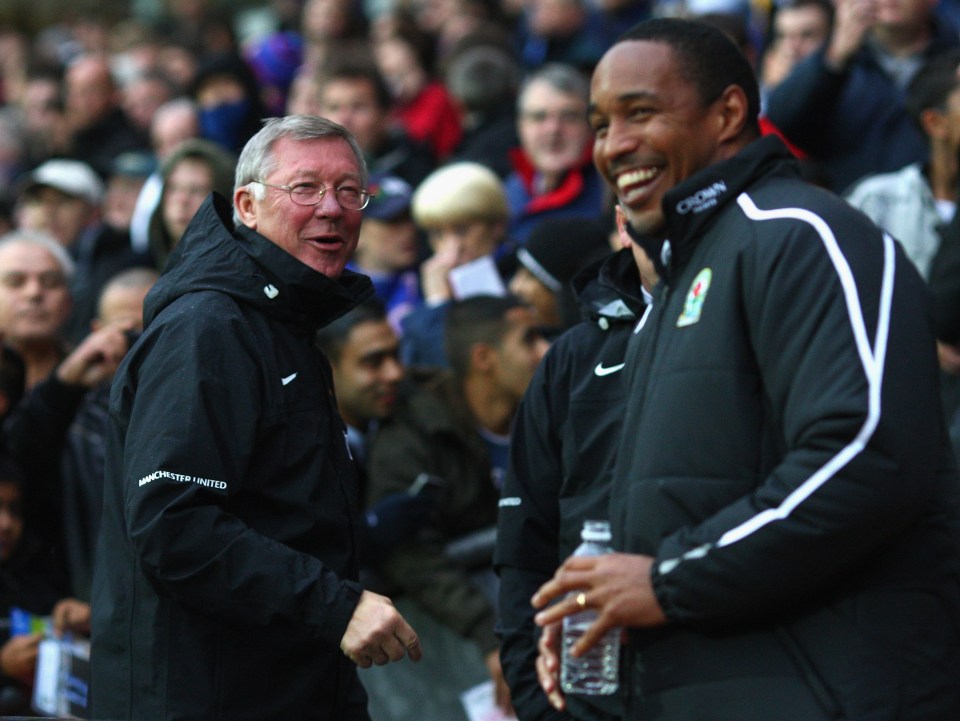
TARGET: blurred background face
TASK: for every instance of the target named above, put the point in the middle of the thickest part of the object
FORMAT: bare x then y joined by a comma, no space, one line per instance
353,104
387,246
91,94
189,183
400,68
120,200
53,212
34,298
171,126
368,373
465,241
11,519
553,128
121,304
799,31
519,352
539,297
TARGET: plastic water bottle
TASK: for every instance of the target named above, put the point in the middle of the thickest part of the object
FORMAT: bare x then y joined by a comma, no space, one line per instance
597,671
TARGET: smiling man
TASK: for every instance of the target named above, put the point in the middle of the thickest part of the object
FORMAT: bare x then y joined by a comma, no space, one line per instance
783,500
225,581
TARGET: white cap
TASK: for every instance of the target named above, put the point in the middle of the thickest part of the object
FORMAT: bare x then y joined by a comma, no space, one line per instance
71,177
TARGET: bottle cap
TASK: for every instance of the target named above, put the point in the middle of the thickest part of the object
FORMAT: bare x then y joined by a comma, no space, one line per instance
598,531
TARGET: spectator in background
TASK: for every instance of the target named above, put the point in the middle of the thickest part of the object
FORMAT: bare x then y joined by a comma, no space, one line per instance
35,275
798,29
83,451
364,354
99,128
353,94
142,95
189,174
174,122
915,202
483,80
463,210
275,60
571,32
456,429
40,110
389,247
128,174
31,581
553,174
555,252
844,104
63,198
328,26
422,105
228,97
34,304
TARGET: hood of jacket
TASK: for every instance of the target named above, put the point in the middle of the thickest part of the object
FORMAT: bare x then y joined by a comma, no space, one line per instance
609,290
253,270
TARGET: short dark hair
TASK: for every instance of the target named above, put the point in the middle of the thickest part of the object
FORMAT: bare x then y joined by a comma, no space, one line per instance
334,336
352,62
707,58
932,84
478,319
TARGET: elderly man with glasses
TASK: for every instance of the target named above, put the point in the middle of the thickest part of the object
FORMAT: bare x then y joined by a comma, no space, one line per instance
225,583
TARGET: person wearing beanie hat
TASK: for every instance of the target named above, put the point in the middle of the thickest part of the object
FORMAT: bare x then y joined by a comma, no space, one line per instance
389,247
556,251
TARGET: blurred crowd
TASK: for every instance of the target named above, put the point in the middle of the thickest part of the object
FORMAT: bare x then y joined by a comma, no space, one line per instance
473,116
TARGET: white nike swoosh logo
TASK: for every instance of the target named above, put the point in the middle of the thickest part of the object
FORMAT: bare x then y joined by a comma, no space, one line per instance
288,378
601,371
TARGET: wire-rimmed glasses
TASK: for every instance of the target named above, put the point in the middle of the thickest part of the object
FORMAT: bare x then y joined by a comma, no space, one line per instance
350,197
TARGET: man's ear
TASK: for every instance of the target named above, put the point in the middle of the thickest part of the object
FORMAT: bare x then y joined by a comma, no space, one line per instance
482,357
246,209
732,108
934,123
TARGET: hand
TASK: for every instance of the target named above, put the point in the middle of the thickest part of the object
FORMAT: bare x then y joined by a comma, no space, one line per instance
949,356
434,271
548,665
378,634
853,20
97,357
71,614
500,688
18,657
616,585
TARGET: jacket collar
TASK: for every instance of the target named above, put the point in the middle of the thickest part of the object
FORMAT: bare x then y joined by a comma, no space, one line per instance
691,206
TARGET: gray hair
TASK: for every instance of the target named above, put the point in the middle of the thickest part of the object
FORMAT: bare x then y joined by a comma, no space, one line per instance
257,160
564,79
42,240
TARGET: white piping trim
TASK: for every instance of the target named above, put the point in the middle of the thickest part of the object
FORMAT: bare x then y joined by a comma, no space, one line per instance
872,359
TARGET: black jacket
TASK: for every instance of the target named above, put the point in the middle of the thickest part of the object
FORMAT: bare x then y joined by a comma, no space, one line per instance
221,585
561,457
784,459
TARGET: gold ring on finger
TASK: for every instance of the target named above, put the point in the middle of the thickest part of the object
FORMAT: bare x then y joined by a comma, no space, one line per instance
582,600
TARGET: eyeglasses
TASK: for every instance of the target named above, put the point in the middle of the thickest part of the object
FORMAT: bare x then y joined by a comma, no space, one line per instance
349,197
567,117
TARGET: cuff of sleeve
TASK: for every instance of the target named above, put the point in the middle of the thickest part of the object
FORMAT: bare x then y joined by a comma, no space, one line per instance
56,394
